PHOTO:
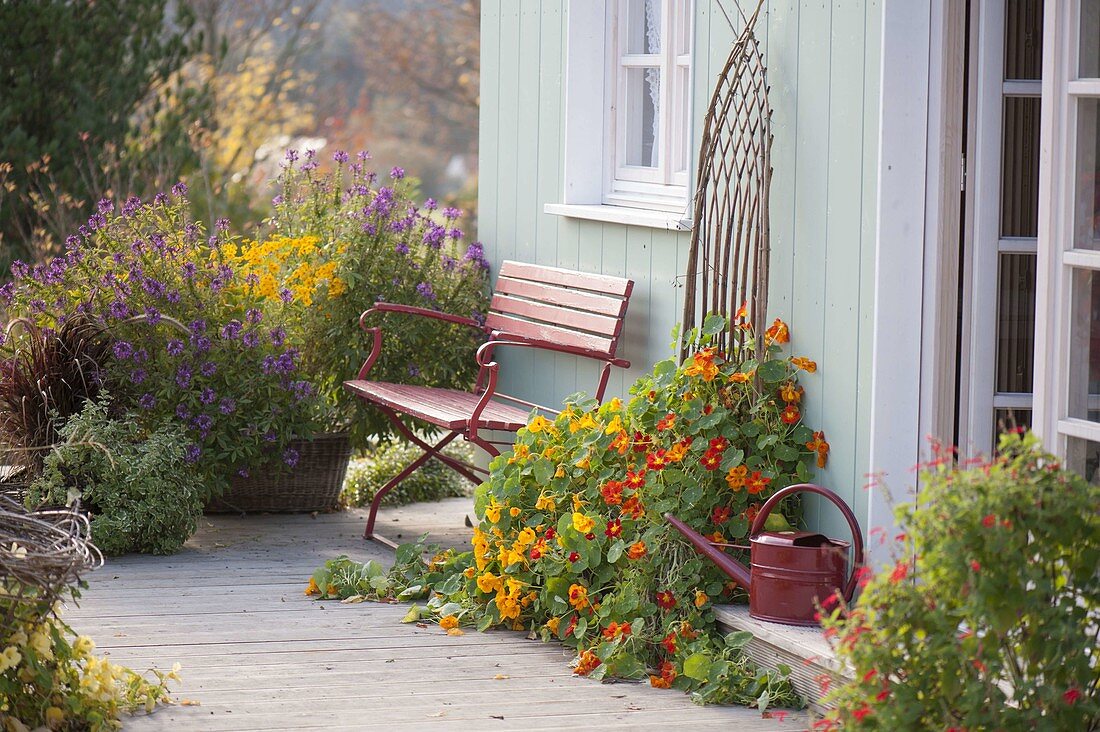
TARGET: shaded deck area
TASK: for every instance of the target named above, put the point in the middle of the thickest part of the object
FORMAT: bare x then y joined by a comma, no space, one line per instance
258,654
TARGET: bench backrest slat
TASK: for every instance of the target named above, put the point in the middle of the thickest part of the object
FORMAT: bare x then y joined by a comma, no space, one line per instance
561,306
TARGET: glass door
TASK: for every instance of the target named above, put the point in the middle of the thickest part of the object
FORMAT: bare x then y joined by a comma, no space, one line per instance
997,364
1068,352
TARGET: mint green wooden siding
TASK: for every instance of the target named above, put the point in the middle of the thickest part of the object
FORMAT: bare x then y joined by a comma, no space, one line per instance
823,66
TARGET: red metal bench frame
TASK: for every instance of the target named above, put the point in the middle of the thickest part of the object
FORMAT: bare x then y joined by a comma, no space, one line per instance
545,308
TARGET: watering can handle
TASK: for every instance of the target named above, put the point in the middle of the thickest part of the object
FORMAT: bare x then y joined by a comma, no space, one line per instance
853,524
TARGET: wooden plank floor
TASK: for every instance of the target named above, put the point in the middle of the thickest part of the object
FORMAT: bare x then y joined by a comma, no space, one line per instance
258,654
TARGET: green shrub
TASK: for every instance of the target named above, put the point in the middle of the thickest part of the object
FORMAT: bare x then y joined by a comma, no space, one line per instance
130,480
432,482
999,630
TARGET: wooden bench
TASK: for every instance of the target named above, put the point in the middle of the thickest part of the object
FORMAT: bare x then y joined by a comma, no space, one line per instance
546,308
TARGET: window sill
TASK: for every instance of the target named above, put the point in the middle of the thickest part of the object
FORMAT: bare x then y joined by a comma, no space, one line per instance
621,215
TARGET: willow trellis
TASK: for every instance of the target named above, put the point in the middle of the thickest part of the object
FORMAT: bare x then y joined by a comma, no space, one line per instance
729,252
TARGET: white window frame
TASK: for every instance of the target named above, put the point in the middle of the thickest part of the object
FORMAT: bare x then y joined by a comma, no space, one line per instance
1058,260
660,187
587,141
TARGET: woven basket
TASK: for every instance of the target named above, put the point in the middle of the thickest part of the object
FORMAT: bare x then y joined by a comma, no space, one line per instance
312,485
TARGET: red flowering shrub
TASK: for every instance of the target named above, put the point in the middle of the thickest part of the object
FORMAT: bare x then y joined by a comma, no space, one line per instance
989,622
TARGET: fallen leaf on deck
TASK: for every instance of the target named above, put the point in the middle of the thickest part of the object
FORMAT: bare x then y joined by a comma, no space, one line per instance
455,631
422,625
496,716
500,677
353,600
190,703
437,714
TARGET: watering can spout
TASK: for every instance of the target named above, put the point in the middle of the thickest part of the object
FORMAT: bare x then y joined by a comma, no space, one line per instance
737,571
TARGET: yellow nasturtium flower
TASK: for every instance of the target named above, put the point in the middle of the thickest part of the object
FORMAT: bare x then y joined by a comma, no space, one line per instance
583,523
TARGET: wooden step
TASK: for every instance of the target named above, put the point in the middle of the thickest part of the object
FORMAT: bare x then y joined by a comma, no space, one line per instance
804,650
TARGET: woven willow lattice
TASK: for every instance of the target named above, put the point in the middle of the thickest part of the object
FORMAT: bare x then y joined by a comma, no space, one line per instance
729,253
42,553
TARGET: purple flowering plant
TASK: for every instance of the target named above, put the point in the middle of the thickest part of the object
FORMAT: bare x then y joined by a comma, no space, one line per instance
190,343
344,238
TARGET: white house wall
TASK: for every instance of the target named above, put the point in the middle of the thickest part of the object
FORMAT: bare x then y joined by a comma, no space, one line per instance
824,66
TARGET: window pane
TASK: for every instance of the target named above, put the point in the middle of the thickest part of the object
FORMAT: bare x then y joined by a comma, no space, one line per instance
1090,39
1015,322
1087,203
1020,173
643,26
682,20
1084,354
1023,39
643,94
1083,456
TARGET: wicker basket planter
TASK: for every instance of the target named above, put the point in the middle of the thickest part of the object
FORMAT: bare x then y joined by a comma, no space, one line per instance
312,485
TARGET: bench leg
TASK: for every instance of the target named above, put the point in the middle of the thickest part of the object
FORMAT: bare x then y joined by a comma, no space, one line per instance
430,451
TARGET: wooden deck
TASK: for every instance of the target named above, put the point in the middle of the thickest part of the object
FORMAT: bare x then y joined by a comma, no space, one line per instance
258,654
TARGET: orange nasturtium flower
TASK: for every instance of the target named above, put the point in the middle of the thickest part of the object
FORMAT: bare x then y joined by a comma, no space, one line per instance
757,483
735,478
666,422
821,447
805,364
741,377
312,588
791,393
778,332
587,663
540,424
743,311
702,364
552,625
701,598
637,550
790,414
448,621
578,596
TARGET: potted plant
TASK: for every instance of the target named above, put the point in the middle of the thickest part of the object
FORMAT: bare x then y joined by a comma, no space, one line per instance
189,342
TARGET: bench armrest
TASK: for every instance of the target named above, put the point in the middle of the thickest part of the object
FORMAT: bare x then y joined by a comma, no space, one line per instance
389,307
489,367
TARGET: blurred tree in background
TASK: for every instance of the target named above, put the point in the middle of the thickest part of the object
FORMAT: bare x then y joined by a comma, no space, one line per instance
111,98
78,113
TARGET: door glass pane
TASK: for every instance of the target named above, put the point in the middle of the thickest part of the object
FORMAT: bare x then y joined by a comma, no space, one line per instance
1087,204
1016,323
1008,420
1084,347
643,26
643,98
682,20
1023,39
1083,456
1020,171
1089,66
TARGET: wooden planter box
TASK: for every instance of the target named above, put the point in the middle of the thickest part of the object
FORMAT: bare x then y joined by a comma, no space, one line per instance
312,485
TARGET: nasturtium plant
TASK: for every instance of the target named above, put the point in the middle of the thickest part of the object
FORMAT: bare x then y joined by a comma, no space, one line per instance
572,542
988,618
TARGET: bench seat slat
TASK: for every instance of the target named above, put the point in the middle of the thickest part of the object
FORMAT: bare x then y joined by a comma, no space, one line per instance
447,408
554,315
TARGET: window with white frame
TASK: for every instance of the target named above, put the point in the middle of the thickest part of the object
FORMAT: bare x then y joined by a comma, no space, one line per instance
1067,376
628,112
648,104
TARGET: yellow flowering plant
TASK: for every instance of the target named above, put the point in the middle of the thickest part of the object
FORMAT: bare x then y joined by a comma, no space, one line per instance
341,241
573,544
50,678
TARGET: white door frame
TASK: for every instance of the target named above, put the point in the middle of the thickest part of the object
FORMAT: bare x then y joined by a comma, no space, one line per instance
916,246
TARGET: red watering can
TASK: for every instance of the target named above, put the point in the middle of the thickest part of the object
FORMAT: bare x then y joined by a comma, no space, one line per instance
790,570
